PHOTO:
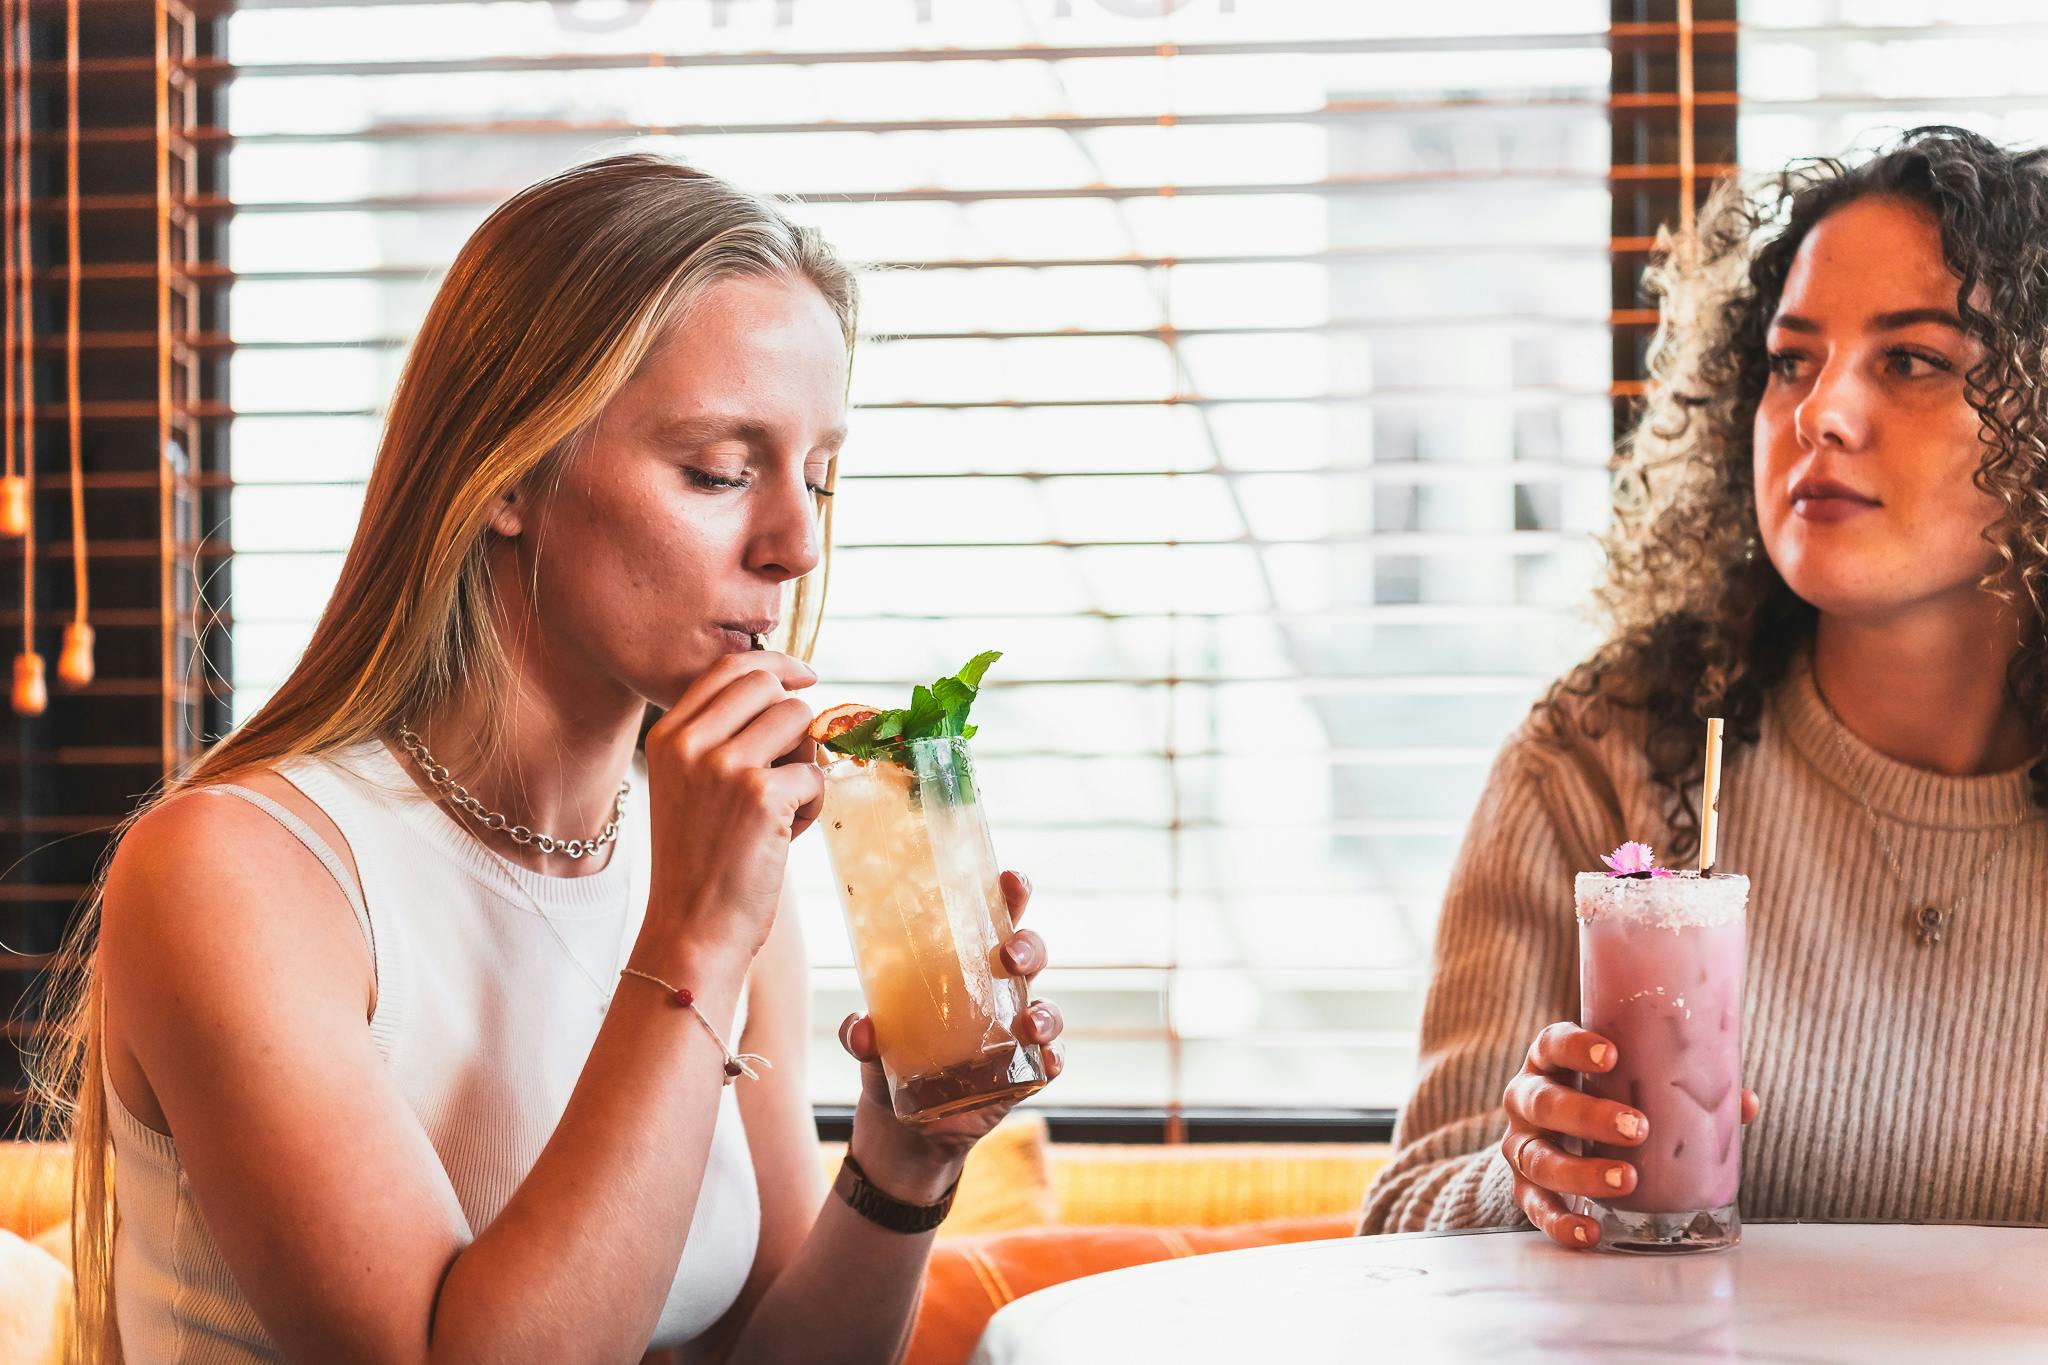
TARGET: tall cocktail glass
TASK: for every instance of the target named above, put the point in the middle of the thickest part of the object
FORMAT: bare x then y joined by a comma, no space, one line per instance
917,876
1660,976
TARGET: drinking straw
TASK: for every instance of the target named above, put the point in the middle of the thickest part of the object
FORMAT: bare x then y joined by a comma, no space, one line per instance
1710,796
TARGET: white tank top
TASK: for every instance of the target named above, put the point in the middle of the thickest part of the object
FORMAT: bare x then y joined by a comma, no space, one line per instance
485,1023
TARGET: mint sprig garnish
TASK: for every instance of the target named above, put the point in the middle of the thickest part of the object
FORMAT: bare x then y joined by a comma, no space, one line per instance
935,712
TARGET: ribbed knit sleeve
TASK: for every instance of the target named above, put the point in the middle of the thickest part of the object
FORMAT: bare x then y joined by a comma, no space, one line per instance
1898,1080
1505,955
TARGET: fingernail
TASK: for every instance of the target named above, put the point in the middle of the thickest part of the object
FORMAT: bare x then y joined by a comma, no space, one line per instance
1579,1233
1026,881
1599,1054
1613,1177
1631,1127
1041,1020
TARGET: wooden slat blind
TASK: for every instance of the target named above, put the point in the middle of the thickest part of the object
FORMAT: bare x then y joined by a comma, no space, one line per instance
1097,246
1674,107
75,771
1394,674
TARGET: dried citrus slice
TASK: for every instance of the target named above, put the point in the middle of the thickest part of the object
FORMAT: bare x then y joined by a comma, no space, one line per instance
840,719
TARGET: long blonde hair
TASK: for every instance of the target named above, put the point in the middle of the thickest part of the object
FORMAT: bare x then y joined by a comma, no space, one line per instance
547,311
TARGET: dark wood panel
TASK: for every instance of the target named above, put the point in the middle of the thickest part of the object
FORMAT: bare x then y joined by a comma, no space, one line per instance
70,775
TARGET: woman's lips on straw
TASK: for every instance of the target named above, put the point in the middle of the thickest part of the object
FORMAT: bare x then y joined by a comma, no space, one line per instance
740,637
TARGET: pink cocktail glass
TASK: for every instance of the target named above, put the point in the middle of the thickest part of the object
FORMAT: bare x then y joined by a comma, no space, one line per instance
1660,975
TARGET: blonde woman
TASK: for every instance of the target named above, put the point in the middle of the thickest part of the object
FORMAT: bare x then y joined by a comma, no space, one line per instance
1834,533
358,1074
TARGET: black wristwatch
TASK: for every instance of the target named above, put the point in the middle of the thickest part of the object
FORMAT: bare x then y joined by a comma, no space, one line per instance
885,1210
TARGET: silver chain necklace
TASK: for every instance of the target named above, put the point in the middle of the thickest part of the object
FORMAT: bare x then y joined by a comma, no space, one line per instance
1929,920
498,823
576,848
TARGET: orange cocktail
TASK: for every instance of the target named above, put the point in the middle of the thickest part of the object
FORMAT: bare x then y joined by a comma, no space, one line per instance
924,910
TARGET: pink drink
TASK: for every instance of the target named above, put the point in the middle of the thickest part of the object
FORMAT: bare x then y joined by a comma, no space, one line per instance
1660,974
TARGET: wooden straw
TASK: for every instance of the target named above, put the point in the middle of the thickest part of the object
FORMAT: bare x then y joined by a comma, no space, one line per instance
1710,797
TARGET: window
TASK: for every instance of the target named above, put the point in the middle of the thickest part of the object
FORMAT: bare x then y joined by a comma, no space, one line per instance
1241,370
1826,77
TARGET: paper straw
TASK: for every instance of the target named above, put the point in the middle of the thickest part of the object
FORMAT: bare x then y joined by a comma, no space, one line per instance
1710,797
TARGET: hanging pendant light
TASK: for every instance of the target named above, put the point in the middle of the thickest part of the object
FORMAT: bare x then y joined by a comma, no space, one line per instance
13,488
74,665
31,694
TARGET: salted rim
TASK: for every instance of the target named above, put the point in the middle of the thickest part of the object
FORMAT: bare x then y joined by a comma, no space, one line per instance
1682,900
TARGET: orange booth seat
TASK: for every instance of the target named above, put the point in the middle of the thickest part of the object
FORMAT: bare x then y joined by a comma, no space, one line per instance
1030,1213
1033,1213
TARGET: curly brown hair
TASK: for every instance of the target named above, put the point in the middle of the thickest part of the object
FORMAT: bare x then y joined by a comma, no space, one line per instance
1702,624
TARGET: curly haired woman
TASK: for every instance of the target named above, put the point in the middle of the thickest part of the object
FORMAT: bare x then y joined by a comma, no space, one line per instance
1832,529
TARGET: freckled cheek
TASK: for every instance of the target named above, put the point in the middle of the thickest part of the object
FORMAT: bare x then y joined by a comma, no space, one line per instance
612,573
1974,513
1946,483
679,562
1775,452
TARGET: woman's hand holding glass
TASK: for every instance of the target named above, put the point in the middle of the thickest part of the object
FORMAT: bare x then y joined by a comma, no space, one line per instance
918,1162
1546,1108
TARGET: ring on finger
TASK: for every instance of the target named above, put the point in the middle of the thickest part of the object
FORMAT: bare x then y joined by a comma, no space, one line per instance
1515,1158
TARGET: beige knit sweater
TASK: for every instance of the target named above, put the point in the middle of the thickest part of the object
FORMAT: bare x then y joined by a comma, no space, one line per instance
1898,1081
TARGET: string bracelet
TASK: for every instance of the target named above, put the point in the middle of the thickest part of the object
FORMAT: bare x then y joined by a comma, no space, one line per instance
736,1064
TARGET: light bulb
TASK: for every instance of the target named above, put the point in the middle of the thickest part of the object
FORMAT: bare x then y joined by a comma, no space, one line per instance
74,665
31,696
13,505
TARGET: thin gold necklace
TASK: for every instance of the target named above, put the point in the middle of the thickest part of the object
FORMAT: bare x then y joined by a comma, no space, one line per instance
1928,919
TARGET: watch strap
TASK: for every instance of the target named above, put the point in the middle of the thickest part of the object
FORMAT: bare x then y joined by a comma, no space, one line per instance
885,1210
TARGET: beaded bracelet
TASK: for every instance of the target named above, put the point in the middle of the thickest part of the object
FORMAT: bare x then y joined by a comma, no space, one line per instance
682,997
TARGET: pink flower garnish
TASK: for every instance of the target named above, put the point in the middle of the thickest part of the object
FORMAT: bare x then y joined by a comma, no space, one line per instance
1633,860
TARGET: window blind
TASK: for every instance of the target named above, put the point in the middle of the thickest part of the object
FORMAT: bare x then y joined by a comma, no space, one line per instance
1247,365
145,484
1825,77
1242,371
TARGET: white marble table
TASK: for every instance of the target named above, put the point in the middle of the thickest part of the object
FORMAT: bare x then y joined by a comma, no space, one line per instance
1794,1292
